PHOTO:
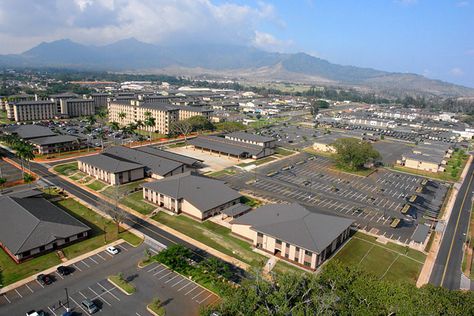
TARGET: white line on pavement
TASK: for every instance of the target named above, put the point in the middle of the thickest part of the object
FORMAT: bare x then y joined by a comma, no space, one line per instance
191,290
29,288
21,296
112,294
171,279
198,294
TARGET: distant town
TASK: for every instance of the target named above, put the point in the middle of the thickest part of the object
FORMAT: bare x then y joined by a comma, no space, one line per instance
153,195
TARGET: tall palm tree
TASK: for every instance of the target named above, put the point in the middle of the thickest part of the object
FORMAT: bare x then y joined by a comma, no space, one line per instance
114,126
101,135
122,116
25,152
91,120
150,122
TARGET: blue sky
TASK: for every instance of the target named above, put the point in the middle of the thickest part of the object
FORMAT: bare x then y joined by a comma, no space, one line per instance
430,37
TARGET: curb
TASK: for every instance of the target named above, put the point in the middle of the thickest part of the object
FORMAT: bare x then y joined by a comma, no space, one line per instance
118,287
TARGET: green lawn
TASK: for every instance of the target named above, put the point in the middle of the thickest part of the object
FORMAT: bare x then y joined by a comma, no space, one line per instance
214,236
390,261
135,201
122,190
153,134
96,185
176,145
250,201
283,267
283,152
219,173
77,176
66,169
12,272
123,284
364,172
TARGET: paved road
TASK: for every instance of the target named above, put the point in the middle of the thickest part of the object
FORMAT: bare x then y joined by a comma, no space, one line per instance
133,221
447,268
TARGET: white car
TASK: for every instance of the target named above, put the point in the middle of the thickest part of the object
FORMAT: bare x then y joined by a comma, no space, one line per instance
112,250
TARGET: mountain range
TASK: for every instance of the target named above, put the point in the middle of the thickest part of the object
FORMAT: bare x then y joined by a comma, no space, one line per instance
226,61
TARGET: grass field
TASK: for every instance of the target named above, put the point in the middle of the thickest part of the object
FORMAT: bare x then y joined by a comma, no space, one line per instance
135,201
66,169
96,185
283,152
123,189
214,236
283,267
11,272
220,173
390,262
153,134
117,280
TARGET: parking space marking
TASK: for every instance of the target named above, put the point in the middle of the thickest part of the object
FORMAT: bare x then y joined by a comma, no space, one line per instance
82,294
93,260
5,296
78,304
198,294
59,275
29,288
101,257
122,247
40,284
165,275
21,296
185,286
85,263
178,282
191,290
100,296
164,269
52,311
200,302
112,294
172,279
76,267
157,266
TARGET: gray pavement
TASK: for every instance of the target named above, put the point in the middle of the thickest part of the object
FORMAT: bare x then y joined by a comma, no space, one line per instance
447,268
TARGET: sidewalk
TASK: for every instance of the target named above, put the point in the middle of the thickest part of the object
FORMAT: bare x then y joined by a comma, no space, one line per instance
169,230
53,269
425,273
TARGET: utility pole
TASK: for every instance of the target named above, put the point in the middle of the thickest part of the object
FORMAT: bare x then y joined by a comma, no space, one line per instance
67,300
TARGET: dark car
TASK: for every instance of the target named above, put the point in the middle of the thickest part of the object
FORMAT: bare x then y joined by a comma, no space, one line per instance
62,270
44,279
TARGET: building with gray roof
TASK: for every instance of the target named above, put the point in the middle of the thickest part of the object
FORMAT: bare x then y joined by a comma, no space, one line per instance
249,138
230,148
29,131
31,226
294,233
196,196
190,162
57,143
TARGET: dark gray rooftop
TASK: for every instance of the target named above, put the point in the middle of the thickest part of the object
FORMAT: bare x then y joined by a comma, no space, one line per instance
189,161
54,139
296,225
224,145
420,234
157,164
29,131
33,102
250,137
194,108
109,164
30,222
202,192
236,209
160,106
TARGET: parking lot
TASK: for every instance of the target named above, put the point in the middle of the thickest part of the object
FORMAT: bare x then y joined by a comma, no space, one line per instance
373,202
179,295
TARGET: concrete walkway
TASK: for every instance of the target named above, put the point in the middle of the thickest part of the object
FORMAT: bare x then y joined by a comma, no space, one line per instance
270,264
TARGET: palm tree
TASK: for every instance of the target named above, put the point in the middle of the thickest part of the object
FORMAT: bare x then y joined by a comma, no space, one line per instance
101,135
2,183
150,122
122,116
25,152
91,120
114,126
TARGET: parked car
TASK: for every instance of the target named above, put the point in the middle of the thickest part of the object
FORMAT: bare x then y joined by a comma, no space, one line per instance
35,313
90,307
112,250
44,279
62,270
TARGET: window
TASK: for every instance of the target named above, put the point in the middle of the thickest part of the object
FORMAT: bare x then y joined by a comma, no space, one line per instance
308,264
287,255
308,253
278,242
41,248
259,235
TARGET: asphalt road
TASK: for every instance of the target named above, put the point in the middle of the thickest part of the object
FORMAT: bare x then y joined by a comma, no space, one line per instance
133,221
447,268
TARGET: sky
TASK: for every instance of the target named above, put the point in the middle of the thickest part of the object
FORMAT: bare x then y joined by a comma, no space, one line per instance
434,38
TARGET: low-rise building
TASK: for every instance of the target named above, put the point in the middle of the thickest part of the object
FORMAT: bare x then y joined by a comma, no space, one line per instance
324,143
248,138
230,148
293,233
196,196
57,144
32,226
431,157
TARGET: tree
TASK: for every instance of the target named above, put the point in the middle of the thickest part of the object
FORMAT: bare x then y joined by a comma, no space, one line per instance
230,127
25,152
175,256
122,116
2,183
149,122
353,154
28,178
114,126
200,123
117,214
182,128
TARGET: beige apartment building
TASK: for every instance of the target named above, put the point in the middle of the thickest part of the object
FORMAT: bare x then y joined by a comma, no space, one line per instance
164,113
77,107
291,232
34,110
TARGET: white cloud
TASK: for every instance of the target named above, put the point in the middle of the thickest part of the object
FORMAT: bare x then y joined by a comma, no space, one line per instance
268,41
456,71
156,21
